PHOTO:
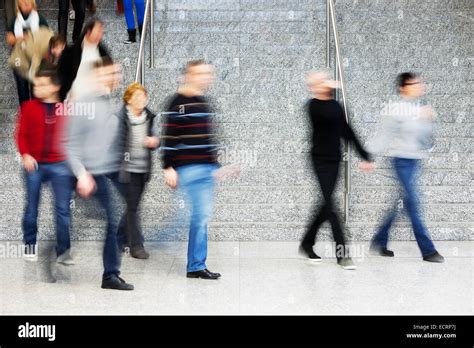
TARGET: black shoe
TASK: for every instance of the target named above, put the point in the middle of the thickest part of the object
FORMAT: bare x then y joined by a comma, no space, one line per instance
116,283
435,257
132,36
378,250
139,253
203,274
307,250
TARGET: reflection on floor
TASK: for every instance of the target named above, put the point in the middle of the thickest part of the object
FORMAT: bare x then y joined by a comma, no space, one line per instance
257,278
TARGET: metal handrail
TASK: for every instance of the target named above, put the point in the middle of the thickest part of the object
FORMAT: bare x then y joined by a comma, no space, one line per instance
140,70
339,74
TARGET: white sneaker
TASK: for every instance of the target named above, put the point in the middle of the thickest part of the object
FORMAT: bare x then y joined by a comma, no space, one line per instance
29,253
347,263
65,258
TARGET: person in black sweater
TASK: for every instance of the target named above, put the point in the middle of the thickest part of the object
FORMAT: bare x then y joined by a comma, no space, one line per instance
190,155
329,126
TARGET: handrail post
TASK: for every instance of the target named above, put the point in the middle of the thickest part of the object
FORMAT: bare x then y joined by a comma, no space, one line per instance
340,74
328,35
152,34
140,72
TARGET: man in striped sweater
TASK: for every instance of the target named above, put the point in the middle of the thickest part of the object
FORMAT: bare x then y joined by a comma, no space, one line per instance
190,158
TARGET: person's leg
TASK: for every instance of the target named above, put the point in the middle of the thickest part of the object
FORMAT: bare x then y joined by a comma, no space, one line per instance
23,86
327,174
63,17
122,226
319,217
111,256
198,183
134,191
80,13
140,8
62,185
129,16
380,239
10,11
33,182
406,172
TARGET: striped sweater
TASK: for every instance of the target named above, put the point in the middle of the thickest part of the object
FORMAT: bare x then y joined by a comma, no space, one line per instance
188,132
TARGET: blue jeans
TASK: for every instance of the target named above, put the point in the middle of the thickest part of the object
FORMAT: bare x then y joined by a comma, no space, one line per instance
406,169
111,255
197,182
128,10
62,183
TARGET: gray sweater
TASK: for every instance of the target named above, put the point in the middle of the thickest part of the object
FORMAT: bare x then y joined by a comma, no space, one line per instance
94,141
404,132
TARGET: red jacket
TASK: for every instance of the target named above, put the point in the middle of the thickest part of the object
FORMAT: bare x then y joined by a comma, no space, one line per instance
39,135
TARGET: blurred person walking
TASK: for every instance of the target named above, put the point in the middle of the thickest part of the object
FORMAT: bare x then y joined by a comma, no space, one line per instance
26,21
140,139
78,60
190,158
94,150
40,138
329,126
404,136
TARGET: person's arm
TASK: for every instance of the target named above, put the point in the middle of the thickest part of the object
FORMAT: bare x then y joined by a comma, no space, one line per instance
168,148
348,134
384,133
21,139
75,143
85,181
152,141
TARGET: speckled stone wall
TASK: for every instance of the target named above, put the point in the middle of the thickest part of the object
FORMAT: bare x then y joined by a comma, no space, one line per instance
261,50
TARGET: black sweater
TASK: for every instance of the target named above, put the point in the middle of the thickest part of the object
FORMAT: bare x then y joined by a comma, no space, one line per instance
188,132
329,126
69,65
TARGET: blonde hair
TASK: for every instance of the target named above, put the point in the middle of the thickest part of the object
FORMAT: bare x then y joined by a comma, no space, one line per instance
132,88
33,4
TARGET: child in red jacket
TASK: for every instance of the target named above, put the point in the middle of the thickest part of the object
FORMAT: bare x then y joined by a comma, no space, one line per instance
40,138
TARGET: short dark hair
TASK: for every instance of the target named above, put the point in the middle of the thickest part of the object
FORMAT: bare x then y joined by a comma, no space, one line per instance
89,26
192,64
51,74
103,62
403,78
56,40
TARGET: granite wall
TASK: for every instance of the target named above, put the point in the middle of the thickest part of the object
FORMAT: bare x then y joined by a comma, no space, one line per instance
261,50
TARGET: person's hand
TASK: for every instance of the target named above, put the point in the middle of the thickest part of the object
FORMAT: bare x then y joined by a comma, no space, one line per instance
366,166
232,170
85,185
427,112
171,177
29,163
11,39
151,142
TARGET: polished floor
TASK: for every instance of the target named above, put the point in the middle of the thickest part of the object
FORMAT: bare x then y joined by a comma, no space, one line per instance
258,278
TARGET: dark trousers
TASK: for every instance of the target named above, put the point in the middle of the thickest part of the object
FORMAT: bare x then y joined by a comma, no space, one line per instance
122,226
327,174
24,88
79,7
133,194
